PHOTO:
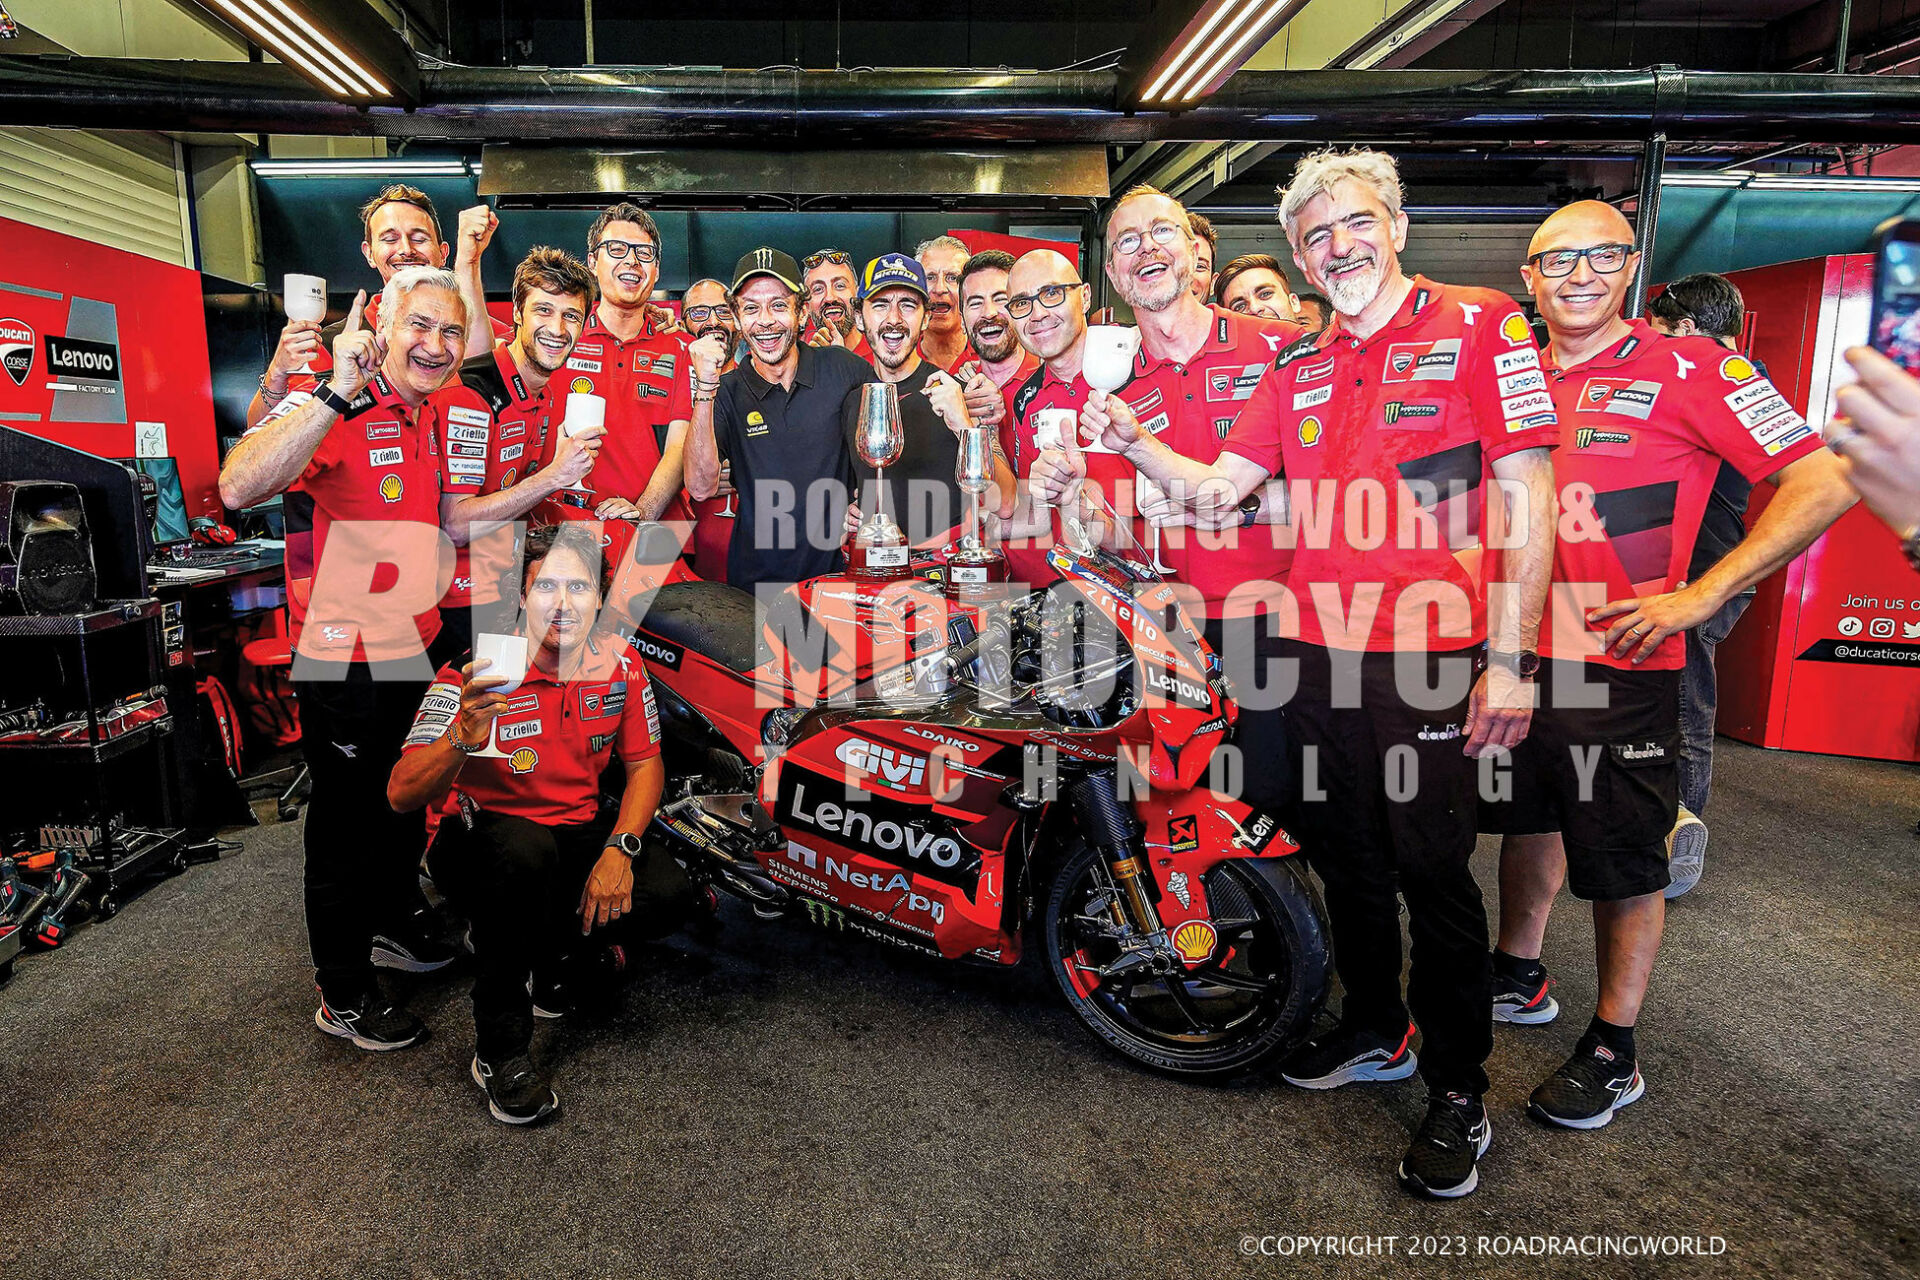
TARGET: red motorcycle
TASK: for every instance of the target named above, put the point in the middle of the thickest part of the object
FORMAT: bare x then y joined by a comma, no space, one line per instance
957,778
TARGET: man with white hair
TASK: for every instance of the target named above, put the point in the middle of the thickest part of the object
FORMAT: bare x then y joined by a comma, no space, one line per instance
358,458
943,258
1391,427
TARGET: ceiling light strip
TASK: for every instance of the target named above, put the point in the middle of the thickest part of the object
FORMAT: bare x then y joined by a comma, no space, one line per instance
287,46
1187,50
1209,56
366,77
1229,61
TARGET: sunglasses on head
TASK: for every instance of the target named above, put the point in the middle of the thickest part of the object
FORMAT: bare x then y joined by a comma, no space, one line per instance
839,257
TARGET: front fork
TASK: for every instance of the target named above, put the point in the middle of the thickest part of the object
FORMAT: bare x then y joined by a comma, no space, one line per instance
1106,824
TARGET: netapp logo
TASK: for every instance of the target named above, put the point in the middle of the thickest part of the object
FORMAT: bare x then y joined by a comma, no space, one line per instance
74,358
16,350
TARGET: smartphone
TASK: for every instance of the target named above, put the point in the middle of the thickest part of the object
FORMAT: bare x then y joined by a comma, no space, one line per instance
1895,326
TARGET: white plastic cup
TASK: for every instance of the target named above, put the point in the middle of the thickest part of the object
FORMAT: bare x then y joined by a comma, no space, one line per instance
306,297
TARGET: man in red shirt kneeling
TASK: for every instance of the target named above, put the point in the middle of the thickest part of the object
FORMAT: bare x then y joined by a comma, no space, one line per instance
524,849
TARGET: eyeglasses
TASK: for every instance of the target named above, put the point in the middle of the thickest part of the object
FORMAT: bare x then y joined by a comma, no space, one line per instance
1049,296
700,315
1162,233
1604,258
838,256
619,249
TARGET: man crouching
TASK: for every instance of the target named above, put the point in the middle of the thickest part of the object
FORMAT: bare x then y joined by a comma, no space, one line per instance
514,762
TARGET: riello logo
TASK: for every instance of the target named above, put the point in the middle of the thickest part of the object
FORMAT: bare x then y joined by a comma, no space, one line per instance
16,350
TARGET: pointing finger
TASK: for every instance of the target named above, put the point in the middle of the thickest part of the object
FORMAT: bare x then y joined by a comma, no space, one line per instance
353,316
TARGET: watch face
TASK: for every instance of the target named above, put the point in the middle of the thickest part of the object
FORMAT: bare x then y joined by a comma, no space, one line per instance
1529,665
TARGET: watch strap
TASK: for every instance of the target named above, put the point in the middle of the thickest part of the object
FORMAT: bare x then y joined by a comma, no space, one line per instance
627,843
327,396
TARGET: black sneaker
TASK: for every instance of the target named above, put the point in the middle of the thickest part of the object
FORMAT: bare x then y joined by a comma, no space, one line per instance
370,1023
517,1092
1525,1004
1588,1088
412,946
1442,1163
1348,1055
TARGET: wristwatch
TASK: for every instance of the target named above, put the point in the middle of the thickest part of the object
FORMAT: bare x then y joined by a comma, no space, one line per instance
327,396
1249,510
1525,664
627,843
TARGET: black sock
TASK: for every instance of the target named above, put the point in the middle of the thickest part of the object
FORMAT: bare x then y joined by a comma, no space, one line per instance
1528,972
1618,1039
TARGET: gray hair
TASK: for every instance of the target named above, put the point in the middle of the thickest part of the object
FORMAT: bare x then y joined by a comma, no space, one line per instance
1320,171
408,279
943,242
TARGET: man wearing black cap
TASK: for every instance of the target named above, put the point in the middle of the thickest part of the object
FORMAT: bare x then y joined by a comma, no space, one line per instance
921,492
776,420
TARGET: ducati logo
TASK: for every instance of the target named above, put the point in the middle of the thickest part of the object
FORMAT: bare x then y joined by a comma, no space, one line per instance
1402,361
1596,393
16,350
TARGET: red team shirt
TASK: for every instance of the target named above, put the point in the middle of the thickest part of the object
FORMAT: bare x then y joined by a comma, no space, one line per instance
1202,398
1644,428
493,434
558,737
1387,445
647,384
380,461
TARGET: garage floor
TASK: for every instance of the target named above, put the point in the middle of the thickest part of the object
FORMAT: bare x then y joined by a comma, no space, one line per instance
790,1104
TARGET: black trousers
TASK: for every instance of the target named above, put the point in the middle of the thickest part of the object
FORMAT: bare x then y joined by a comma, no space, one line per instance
519,882
1388,802
362,858
1270,765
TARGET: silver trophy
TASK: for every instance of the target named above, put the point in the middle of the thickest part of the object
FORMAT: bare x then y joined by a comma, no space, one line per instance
879,547
973,563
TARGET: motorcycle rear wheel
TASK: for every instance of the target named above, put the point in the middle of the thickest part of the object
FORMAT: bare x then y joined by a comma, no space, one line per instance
1255,999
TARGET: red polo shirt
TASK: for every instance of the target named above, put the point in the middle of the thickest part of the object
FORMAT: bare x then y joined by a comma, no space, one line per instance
647,383
1644,429
1202,397
493,433
380,461
1387,444
558,736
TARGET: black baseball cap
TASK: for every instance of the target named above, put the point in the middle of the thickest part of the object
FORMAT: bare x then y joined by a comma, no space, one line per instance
767,262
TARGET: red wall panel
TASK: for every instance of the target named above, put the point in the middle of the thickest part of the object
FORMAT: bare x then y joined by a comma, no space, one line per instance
97,304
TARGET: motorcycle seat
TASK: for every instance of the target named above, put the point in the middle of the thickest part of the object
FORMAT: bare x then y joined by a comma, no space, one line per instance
711,619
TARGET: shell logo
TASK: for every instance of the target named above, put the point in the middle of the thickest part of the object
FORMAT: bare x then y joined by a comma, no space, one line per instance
582,386
391,488
523,760
1736,369
1309,431
1195,940
1514,329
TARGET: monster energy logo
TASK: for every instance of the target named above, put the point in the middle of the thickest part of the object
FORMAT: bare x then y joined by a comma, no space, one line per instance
1398,409
1586,437
823,915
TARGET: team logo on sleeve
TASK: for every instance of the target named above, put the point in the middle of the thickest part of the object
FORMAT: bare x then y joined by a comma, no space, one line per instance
391,490
1309,431
1737,369
1514,329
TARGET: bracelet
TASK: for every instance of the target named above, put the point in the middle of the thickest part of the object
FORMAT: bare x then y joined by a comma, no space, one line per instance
453,736
1910,547
327,396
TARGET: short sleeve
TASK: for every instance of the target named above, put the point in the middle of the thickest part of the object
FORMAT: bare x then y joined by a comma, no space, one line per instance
437,710
639,735
1512,408
1255,434
680,398
465,428
1748,422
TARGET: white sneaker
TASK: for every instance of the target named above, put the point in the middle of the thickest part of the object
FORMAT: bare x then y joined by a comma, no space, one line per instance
1686,853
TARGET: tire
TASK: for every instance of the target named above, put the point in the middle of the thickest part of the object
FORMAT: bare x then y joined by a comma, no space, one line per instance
1282,947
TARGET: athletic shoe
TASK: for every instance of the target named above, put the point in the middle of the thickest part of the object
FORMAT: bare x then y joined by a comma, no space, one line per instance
1686,853
1525,1004
1443,1162
1349,1055
372,1024
551,998
517,1092
1588,1088
412,946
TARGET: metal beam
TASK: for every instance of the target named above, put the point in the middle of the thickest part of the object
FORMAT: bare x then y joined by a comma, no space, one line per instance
1646,220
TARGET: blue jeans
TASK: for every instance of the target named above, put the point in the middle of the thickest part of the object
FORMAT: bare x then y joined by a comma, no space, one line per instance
1698,702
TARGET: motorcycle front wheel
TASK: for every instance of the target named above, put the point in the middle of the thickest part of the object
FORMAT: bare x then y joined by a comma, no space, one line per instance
1255,998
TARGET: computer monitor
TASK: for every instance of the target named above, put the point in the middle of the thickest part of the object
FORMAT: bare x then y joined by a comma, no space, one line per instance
168,509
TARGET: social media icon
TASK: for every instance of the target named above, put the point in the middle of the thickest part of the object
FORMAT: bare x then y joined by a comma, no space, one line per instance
1880,629
1910,630
1849,626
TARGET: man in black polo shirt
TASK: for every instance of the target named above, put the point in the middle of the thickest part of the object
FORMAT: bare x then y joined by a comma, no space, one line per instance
921,491
776,420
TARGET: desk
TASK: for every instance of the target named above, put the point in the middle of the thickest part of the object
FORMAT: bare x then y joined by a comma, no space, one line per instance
198,607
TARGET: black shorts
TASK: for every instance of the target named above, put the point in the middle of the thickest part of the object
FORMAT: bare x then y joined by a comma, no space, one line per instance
1605,777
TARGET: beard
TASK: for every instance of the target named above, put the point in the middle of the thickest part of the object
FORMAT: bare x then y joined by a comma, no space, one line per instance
1163,292
787,336
880,345
995,352
835,319
1353,293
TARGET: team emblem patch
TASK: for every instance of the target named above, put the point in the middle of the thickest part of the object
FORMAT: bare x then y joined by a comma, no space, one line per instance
523,760
1736,369
1514,329
581,386
391,490
1309,431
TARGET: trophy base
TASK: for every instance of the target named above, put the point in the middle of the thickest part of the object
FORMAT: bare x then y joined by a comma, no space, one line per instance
973,574
879,563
